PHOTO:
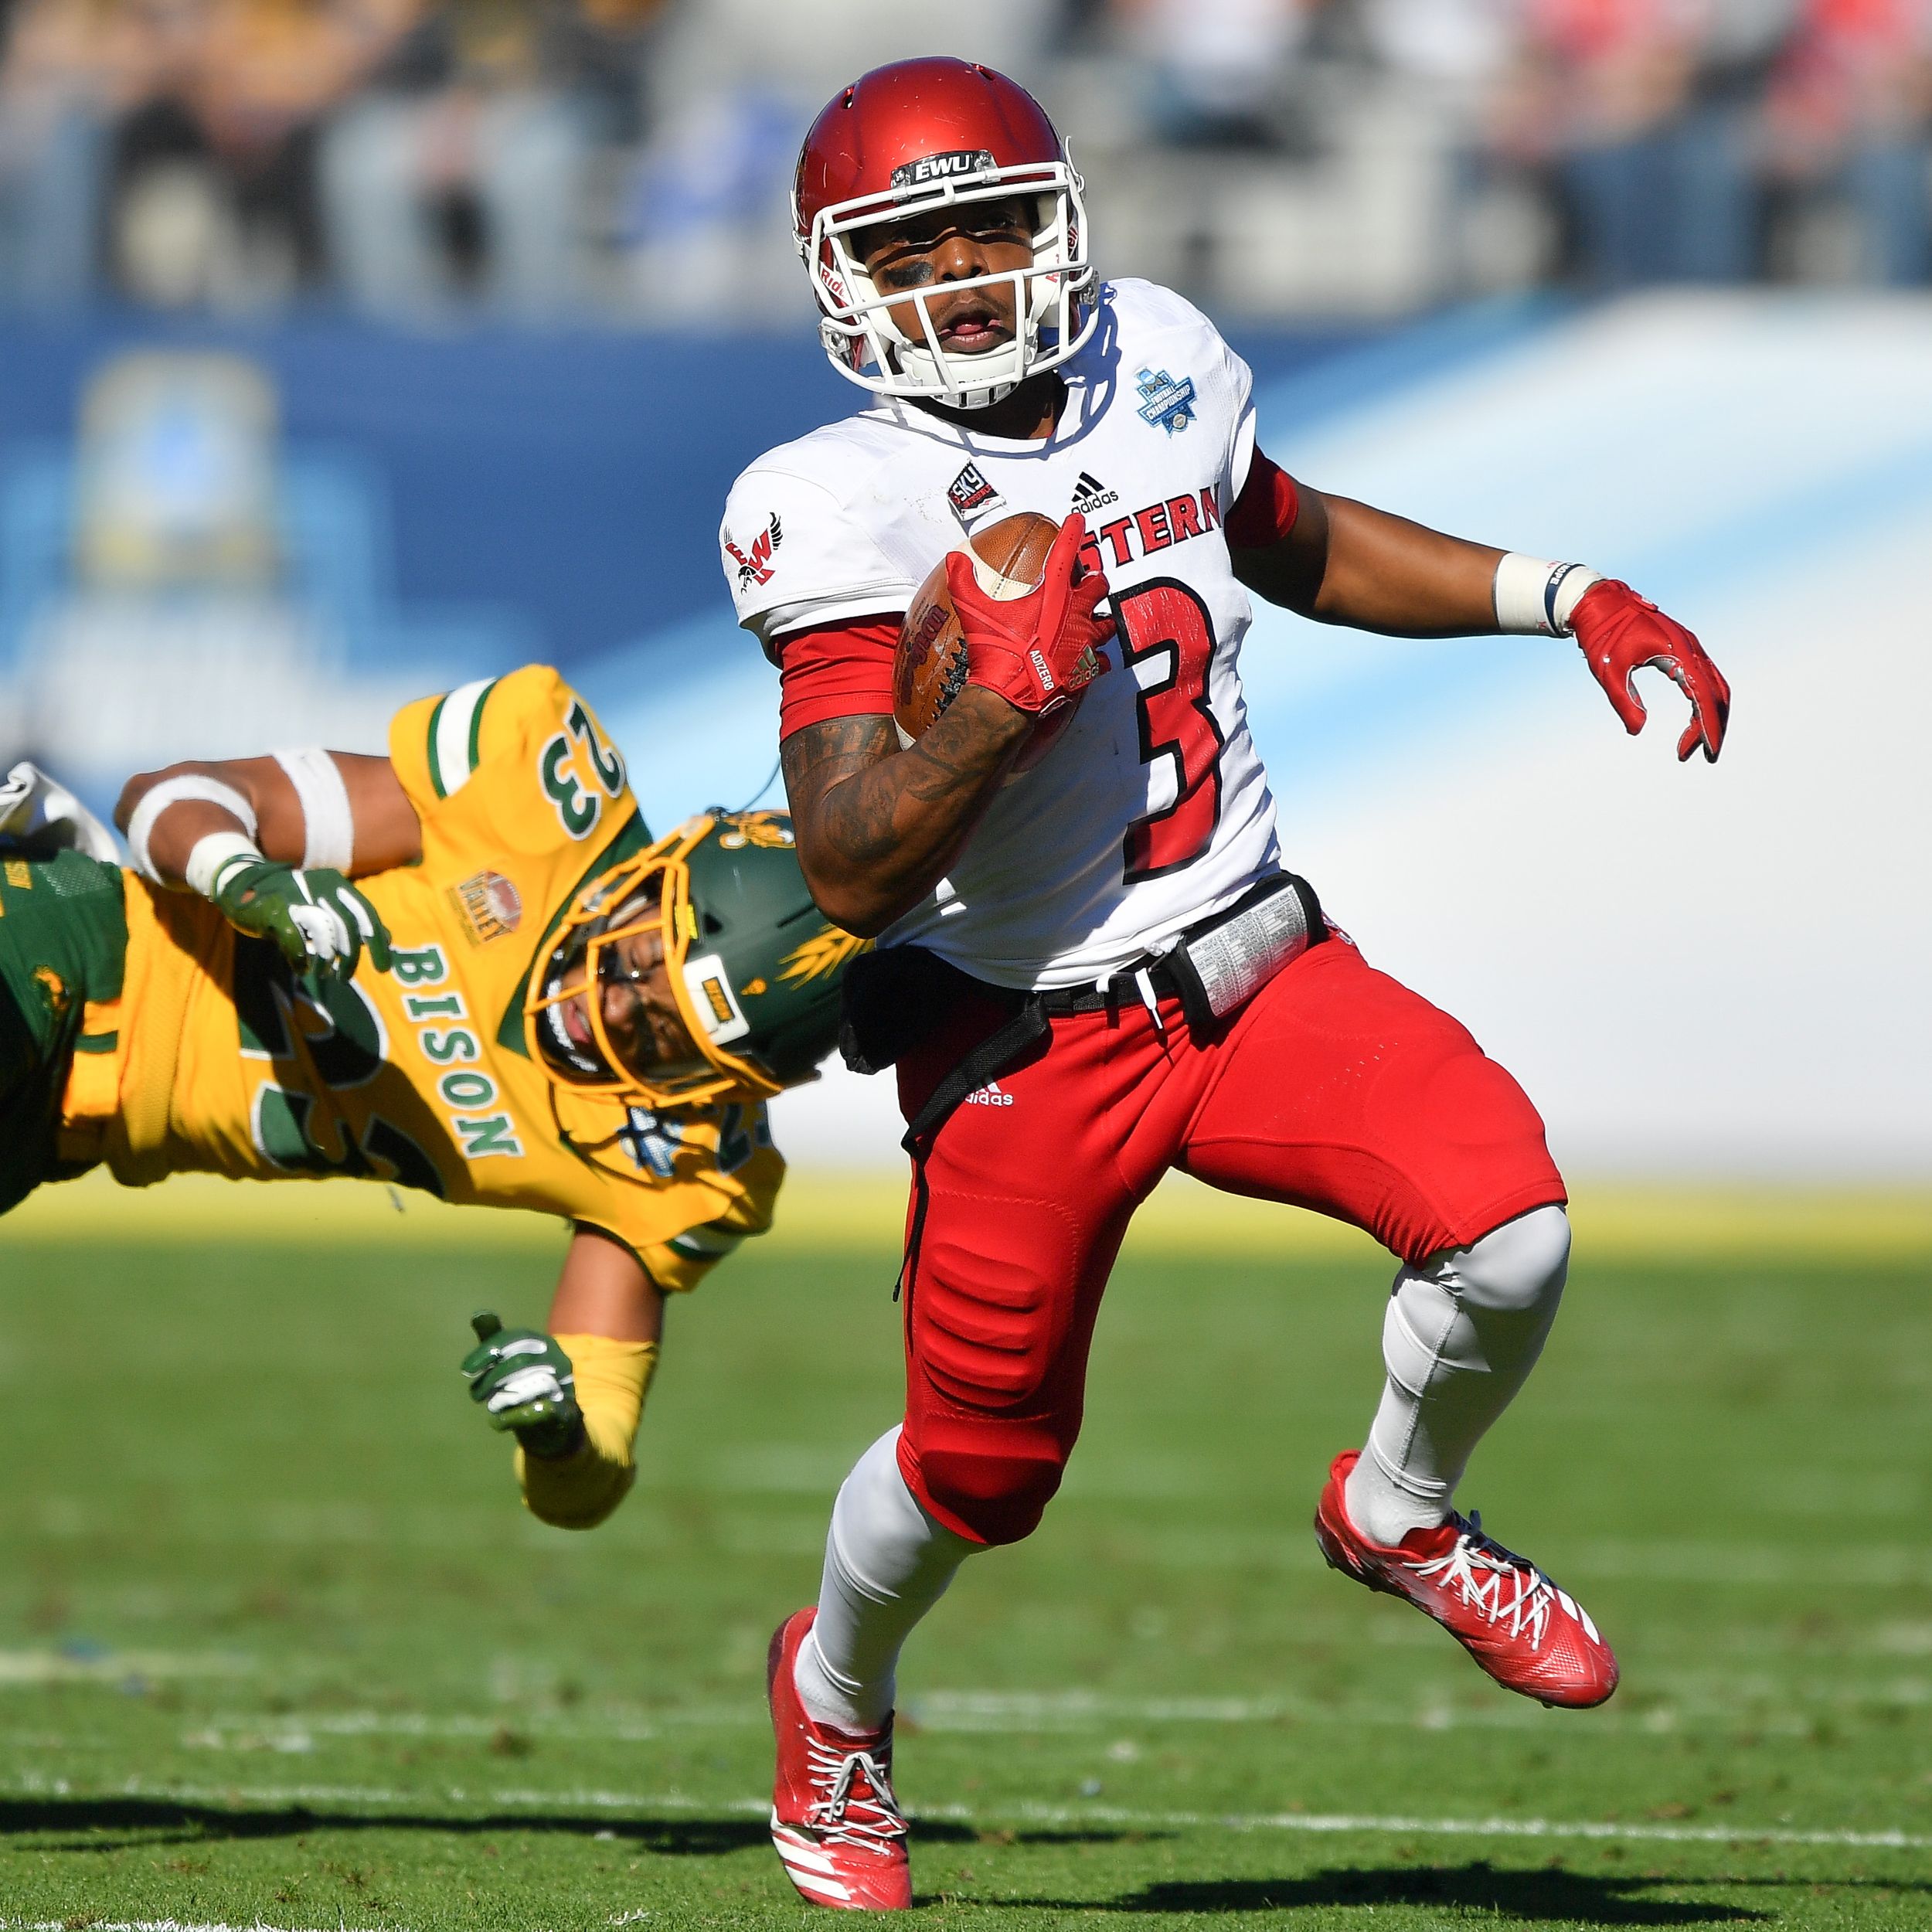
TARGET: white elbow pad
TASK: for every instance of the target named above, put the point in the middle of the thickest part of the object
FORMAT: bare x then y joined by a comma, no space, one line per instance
170,791
329,823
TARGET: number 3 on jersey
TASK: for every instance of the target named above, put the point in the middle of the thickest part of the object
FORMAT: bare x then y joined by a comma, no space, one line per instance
1165,619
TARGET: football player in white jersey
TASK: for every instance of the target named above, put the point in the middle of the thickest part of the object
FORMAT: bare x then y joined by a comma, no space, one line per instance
1112,934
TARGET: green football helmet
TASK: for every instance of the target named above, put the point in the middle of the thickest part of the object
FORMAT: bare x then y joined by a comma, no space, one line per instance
753,963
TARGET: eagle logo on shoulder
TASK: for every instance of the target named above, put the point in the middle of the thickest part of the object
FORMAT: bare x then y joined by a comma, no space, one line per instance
756,567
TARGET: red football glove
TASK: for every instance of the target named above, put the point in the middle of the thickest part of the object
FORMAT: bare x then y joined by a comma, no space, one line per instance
1037,651
1621,633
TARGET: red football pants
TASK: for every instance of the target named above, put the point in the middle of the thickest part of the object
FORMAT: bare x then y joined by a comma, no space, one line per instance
1336,1089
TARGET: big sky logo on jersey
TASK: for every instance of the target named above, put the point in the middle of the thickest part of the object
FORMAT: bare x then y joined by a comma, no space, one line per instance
969,493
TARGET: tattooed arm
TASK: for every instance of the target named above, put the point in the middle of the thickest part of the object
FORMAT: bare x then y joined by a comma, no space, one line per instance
877,827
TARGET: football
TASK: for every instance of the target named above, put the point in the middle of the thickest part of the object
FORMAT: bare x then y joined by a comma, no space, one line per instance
929,669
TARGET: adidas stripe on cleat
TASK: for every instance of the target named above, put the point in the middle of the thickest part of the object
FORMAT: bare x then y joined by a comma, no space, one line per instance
1530,1636
835,1824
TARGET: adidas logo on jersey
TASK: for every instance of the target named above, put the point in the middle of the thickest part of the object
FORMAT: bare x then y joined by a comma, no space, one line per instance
992,1095
1090,494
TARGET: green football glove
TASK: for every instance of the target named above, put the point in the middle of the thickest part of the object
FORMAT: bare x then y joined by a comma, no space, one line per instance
526,1383
317,917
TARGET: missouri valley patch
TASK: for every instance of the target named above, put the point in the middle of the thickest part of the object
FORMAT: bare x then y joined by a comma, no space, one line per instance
491,907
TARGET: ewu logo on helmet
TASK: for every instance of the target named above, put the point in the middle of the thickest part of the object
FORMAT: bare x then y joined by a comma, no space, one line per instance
929,168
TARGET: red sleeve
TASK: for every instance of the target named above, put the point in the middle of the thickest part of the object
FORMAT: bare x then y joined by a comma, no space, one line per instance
1265,511
843,672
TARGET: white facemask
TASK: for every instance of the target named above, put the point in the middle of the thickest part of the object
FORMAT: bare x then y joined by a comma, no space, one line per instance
1054,320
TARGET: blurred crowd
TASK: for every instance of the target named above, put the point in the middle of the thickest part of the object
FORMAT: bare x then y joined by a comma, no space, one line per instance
547,159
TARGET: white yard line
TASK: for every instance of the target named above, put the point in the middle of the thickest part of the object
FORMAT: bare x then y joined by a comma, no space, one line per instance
1049,1711
1533,1827
646,1803
151,1925
944,1712
115,1667
1702,1701
1287,1549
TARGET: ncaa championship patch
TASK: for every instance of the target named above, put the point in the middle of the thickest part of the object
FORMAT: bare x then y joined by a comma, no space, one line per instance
490,906
1165,402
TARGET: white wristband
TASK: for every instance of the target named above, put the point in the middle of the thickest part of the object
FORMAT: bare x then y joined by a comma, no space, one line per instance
213,853
1535,597
171,791
328,821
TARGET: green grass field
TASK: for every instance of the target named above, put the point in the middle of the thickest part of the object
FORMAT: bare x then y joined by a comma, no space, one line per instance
278,1645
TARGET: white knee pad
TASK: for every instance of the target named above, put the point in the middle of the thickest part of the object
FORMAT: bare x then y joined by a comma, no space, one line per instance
1517,1269
1485,1308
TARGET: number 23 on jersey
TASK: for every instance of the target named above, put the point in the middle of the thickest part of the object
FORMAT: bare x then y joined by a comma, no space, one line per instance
580,769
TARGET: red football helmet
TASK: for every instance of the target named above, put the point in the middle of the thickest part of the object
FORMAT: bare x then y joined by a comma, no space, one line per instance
914,136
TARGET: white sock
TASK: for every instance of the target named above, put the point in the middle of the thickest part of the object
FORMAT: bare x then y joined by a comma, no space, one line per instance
887,1563
1462,1332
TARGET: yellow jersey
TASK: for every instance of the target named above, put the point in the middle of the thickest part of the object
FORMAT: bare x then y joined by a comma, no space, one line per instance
227,1061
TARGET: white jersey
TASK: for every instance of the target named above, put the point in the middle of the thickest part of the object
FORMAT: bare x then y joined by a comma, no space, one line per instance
1152,811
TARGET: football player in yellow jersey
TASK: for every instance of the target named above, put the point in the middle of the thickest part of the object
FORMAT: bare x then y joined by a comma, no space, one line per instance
464,968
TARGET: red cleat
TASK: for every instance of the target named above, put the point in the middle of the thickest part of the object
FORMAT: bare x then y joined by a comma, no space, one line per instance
834,1818
1527,1634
